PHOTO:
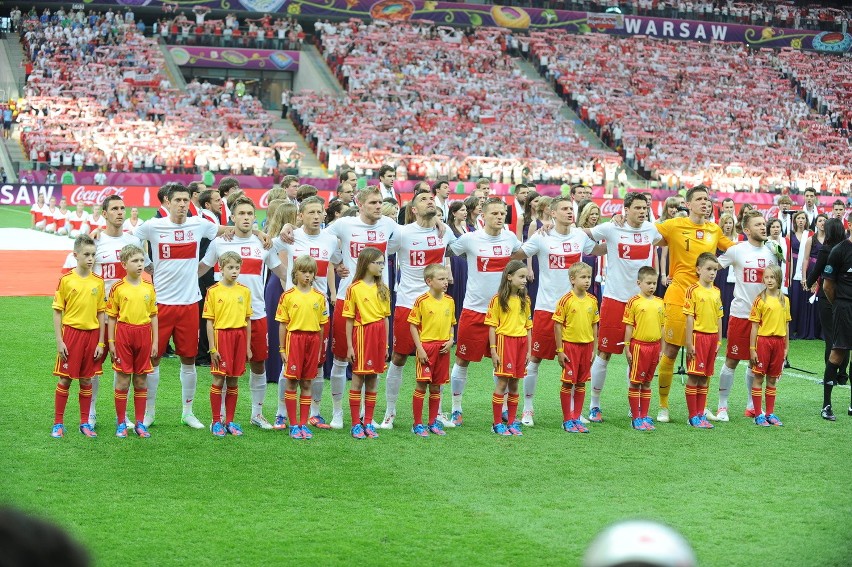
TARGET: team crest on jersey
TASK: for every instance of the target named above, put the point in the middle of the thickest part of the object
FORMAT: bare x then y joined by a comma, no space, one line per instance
761,262
314,252
118,255
245,251
371,236
431,241
94,291
567,247
147,297
699,234
498,250
239,300
637,238
179,236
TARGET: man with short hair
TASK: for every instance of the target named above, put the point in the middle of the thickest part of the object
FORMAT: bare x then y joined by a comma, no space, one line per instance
419,245
345,192
747,261
441,191
837,280
290,183
488,252
226,186
109,242
195,188
387,175
628,248
256,260
175,253
811,209
304,192
557,250
838,211
579,193
728,207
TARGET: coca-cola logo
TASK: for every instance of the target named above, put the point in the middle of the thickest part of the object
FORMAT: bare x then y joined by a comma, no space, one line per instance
94,193
263,202
608,208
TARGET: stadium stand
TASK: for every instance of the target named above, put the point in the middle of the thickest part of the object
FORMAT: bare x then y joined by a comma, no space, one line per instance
715,113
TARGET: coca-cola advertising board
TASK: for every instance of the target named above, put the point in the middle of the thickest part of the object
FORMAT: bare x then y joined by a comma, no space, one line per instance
145,196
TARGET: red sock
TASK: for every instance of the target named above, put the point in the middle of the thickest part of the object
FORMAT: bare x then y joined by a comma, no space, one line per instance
85,402
634,399
60,400
565,399
140,399
645,402
290,404
701,399
434,406
230,403
216,403
770,399
417,406
691,400
512,407
756,399
120,404
355,406
304,409
497,407
369,406
579,399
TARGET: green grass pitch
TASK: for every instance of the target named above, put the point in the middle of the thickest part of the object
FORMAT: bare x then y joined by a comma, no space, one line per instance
741,494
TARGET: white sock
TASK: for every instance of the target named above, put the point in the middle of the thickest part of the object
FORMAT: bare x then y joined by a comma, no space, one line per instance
394,382
188,382
282,409
441,402
338,384
257,385
96,381
726,381
153,381
598,379
749,378
317,386
458,379
529,385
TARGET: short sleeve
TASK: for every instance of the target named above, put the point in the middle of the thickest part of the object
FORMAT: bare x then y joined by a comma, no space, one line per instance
414,315
728,258
211,255
458,246
207,313
756,309
532,245
492,316
281,313
349,304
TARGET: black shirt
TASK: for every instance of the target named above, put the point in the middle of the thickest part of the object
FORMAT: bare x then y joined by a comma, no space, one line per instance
839,270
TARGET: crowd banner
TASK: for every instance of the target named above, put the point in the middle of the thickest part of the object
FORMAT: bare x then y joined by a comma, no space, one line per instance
146,195
234,58
527,19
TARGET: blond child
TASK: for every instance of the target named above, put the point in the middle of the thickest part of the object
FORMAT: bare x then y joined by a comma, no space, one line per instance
302,313
431,321
132,332
227,309
703,309
575,330
78,324
770,341
366,310
644,316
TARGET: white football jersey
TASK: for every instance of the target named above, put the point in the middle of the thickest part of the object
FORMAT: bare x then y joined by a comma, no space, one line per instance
556,253
627,250
747,263
175,250
487,256
418,247
355,235
253,271
108,257
322,247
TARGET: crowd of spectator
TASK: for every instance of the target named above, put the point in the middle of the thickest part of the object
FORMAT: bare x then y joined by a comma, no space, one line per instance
427,99
686,112
98,97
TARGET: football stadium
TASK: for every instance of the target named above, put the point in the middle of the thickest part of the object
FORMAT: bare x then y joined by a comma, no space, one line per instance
289,271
